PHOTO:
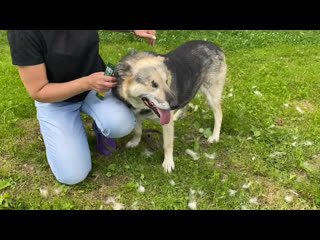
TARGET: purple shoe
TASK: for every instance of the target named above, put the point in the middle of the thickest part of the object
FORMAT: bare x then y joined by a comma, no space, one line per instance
105,146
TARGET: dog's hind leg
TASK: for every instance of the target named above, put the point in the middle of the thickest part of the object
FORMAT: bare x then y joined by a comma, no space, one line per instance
212,89
217,112
135,140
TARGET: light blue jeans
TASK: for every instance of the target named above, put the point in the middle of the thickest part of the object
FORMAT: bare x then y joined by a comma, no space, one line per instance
64,136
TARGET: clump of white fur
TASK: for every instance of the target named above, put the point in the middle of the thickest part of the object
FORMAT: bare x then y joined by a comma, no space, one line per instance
141,189
44,192
192,205
115,205
193,154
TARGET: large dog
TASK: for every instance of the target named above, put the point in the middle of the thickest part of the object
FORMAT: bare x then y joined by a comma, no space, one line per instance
159,87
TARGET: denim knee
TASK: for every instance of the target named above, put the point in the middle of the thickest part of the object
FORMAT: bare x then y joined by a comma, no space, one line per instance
73,177
70,165
119,125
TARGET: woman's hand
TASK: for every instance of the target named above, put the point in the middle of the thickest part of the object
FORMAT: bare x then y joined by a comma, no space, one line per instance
101,83
149,34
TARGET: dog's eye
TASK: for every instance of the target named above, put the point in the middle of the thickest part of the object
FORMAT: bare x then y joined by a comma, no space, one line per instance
154,84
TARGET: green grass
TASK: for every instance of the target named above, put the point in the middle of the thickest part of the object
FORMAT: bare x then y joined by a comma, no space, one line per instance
265,143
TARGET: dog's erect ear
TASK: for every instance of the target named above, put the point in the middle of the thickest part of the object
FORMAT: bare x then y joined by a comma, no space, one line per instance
122,69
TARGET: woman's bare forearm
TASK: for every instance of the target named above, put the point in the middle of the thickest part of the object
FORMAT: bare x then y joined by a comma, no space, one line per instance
40,89
57,92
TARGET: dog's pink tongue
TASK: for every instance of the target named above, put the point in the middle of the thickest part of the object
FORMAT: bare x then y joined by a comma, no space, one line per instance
164,116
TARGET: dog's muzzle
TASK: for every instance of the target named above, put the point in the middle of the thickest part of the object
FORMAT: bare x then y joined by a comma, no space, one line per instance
163,114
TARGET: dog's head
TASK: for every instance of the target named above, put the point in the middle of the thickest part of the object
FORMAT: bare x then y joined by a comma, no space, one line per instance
144,81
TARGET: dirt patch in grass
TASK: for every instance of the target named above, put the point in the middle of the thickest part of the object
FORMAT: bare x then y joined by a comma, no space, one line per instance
31,133
304,105
4,157
308,106
28,168
314,163
111,182
278,197
31,125
107,189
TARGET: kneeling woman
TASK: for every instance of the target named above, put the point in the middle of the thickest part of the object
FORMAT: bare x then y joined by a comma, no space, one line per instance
62,70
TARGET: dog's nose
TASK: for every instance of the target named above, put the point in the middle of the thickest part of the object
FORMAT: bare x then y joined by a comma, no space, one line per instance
173,103
173,107
172,100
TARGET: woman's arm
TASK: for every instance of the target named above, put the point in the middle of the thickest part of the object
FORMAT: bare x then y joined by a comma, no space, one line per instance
149,34
36,82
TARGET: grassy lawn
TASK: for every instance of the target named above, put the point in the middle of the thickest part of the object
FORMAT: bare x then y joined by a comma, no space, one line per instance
268,156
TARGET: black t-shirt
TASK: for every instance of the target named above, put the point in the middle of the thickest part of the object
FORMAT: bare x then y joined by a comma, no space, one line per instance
67,54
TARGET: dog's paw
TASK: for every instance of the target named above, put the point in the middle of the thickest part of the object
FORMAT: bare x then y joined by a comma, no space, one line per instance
213,139
133,143
168,165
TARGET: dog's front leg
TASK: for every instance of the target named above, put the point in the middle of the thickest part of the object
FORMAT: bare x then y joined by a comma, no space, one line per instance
168,134
135,140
